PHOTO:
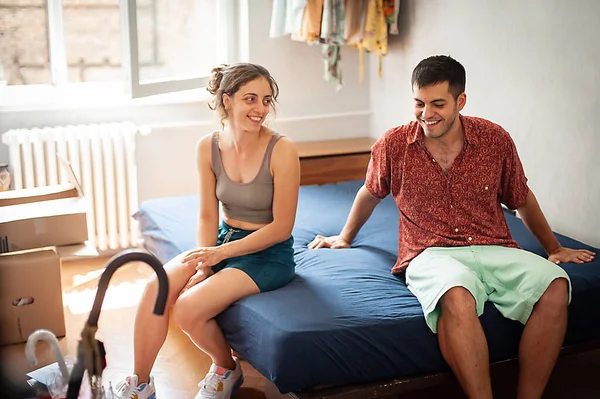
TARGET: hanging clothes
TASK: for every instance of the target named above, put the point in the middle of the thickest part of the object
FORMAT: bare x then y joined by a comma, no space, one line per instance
326,21
388,10
354,23
286,17
375,35
361,24
394,22
332,56
332,21
278,18
338,25
310,29
332,36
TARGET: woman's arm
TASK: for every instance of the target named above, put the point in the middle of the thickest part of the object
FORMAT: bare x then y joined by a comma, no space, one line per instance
285,166
208,217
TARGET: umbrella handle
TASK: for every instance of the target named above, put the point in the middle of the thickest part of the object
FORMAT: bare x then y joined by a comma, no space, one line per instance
48,336
131,255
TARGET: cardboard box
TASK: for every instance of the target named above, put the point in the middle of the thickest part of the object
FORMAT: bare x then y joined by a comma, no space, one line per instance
77,251
42,224
27,195
43,216
30,295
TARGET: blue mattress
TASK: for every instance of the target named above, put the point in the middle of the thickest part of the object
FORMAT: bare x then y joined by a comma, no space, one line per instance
345,318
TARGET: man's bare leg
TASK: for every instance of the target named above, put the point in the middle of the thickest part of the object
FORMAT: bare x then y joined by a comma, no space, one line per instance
463,343
542,339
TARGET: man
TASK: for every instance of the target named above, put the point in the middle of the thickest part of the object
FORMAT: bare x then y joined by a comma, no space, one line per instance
449,174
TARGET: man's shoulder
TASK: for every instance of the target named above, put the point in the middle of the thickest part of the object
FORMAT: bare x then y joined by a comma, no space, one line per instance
399,136
485,130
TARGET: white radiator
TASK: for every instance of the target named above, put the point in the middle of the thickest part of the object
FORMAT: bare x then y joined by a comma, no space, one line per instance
103,159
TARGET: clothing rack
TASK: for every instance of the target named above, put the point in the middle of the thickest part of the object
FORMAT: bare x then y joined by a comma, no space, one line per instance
360,24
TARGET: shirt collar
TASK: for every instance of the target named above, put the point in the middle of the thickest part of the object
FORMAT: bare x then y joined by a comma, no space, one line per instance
470,136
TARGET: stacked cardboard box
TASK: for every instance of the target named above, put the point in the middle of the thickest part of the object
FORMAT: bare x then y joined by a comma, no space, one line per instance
35,224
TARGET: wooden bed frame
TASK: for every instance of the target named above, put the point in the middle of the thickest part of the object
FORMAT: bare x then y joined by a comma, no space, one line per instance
576,371
575,376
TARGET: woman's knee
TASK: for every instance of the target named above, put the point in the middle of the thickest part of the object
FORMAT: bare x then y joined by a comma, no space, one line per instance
151,291
187,313
177,276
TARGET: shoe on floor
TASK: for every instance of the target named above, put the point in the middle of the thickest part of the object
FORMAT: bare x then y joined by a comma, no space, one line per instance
129,389
221,383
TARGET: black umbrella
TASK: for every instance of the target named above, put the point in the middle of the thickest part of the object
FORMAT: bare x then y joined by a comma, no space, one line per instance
91,355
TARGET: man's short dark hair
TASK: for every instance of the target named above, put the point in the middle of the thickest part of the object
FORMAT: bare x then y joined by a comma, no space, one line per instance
439,69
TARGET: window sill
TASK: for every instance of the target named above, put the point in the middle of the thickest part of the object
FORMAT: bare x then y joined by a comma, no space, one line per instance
86,96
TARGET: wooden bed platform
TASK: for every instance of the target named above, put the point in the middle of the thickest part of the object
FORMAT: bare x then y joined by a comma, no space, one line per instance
575,376
577,371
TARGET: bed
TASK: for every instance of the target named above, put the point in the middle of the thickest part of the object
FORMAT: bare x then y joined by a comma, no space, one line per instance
345,326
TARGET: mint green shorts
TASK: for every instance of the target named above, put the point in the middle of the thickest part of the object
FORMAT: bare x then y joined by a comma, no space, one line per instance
512,279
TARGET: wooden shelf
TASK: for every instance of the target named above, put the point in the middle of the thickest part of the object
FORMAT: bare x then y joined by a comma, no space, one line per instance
313,149
334,161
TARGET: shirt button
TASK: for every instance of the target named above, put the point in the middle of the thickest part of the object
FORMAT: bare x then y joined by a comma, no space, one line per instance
456,230
451,207
470,238
433,160
486,187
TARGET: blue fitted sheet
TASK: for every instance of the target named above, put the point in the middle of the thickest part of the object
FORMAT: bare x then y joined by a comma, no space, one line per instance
345,318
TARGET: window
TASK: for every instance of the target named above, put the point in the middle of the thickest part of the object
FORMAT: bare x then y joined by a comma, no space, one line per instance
147,46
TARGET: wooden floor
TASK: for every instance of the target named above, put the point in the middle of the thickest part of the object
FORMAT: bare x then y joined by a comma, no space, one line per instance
180,365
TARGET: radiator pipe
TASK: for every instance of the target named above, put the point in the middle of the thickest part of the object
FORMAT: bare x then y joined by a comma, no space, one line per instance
91,355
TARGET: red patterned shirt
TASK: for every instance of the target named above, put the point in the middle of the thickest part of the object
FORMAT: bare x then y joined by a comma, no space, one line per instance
459,209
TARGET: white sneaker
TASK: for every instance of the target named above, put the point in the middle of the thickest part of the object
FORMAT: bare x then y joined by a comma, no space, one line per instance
129,389
221,383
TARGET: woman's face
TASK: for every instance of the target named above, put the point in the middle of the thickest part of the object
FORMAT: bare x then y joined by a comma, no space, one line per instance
248,108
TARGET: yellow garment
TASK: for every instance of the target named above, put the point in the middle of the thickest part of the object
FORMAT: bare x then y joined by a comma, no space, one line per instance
375,37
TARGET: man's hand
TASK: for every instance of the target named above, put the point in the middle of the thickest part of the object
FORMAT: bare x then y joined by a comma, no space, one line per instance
328,242
567,255
203,257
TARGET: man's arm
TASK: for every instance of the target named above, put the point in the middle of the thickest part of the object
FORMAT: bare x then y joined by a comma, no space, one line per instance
378,180
362,208
535,221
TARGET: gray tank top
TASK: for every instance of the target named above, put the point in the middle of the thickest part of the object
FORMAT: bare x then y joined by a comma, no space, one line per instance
250,202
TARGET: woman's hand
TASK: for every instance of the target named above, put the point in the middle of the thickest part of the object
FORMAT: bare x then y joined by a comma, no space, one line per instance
203,257
201,274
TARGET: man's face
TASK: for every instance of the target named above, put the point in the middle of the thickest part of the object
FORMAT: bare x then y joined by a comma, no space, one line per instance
436,109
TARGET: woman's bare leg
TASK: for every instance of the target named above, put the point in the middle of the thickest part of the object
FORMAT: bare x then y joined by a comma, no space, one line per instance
195,310
150,330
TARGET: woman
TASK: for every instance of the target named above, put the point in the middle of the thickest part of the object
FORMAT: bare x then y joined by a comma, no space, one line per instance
255,174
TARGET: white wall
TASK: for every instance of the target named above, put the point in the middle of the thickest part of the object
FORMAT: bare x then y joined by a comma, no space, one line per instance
531,66
534,68
309,109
